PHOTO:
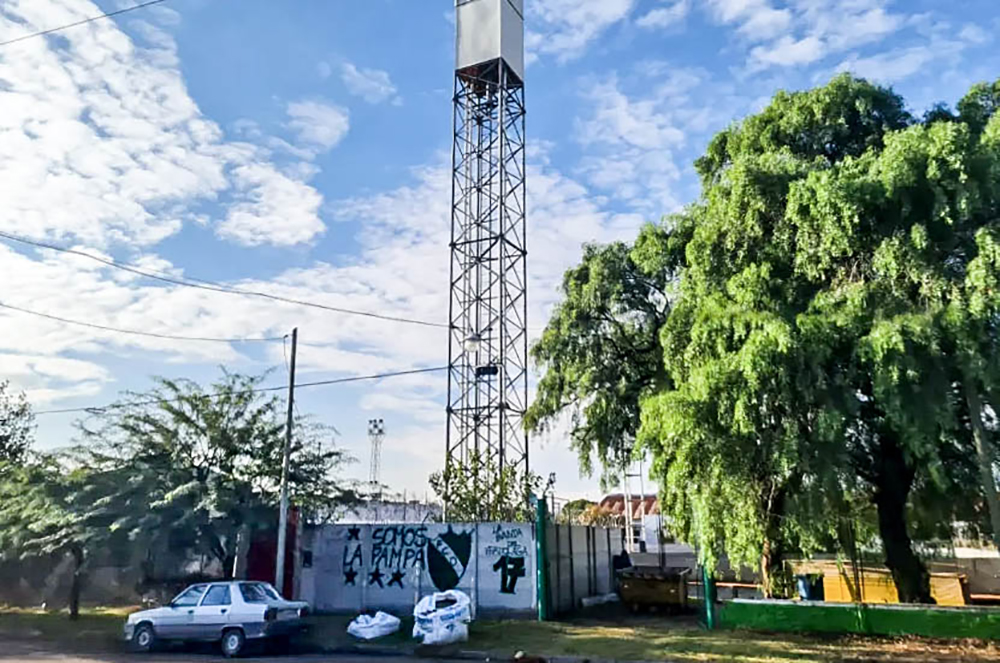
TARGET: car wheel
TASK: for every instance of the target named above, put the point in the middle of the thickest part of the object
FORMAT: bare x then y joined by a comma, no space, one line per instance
232,642
144,638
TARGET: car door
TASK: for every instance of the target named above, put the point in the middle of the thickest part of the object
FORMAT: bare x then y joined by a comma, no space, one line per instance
177,620
213,613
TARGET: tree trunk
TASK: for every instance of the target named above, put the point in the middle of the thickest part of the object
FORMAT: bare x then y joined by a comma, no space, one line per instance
772,559
771,568
984,456
77,582
893,479
240,551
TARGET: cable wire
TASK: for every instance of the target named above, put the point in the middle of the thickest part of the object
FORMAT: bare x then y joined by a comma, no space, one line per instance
79,23
135,332
212,286
304,385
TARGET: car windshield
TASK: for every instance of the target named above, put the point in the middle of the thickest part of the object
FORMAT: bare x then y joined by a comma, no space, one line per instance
190,596
258,592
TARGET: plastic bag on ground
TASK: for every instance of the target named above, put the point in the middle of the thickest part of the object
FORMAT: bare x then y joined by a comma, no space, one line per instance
366,627
442,618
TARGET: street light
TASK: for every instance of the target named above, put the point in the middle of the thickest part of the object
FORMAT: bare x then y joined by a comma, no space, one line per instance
473,343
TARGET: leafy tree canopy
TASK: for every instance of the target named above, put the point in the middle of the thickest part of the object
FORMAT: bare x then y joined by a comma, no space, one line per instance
825,326
180,469
16,425
601,350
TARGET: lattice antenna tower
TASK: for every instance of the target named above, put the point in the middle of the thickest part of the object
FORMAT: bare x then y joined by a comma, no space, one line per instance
488,340
376,436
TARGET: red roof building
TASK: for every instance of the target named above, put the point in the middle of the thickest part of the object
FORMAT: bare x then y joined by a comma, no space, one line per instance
641,504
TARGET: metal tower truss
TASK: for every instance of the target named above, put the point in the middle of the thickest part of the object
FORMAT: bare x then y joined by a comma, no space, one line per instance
488,346
376,435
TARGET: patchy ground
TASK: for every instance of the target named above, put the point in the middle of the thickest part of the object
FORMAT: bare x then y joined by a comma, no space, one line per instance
94,639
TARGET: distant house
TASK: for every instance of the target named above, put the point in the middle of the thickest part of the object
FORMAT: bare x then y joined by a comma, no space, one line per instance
645,515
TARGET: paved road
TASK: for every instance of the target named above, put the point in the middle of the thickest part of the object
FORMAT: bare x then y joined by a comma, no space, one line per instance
35,653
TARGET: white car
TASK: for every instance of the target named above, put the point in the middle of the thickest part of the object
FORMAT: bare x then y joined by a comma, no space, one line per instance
226,612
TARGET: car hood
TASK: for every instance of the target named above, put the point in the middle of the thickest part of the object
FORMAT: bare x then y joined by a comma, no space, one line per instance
152,614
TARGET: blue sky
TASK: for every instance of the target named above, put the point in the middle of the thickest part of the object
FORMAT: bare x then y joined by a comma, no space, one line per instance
300,147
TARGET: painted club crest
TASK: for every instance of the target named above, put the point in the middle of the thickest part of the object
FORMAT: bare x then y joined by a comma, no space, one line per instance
447,557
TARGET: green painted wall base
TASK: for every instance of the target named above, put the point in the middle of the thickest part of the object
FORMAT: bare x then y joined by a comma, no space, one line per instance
798,616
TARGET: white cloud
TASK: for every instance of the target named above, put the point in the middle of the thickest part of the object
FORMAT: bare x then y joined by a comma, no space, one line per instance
974,34
901,63
277,210
373,85
564,28
99,139
619,119
757,19
788,52
317,124
805,31
665,17
634,127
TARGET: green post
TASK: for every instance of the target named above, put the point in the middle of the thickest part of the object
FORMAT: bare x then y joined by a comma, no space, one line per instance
541,560
710,597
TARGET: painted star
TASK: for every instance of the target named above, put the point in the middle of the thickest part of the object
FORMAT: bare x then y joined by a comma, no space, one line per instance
353,533
397,579
350,575
375,577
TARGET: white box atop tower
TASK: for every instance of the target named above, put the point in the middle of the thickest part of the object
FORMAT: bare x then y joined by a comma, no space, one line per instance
489,30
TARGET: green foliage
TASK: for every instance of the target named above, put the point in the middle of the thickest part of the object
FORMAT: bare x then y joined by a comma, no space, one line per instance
198,465
833,325
600,350
16,425
468,498
181,470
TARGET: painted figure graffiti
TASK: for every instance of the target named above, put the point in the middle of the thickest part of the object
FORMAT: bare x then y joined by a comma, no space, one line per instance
510,568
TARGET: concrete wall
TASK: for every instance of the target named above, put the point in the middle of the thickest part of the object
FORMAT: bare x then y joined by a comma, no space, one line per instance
580,563
390,567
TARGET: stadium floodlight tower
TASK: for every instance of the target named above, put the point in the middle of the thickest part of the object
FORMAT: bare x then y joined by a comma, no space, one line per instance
488,340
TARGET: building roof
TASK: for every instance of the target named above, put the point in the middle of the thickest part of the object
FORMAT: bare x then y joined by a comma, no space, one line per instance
641,504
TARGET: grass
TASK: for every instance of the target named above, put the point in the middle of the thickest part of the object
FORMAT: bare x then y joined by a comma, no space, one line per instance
95,630
662,639
612,637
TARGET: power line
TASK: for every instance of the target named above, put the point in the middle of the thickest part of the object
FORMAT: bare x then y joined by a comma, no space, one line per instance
136,332
79,23
304,385
212,286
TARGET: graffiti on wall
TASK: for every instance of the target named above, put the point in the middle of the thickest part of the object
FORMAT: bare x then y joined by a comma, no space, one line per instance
508,546
353,554
395,550
398,550
447,558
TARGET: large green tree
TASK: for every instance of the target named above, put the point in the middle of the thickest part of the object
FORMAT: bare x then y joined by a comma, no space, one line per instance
179,470
827,320
823,329
203,465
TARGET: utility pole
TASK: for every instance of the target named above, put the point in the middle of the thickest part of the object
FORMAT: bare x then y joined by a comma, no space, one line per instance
279,573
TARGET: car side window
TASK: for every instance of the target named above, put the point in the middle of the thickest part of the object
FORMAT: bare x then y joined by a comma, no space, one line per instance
253,592
217,595
189,597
